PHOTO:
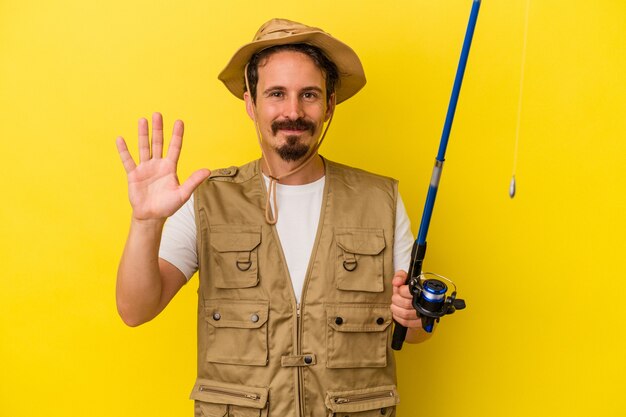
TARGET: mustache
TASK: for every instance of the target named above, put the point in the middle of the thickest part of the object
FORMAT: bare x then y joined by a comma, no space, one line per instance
298,124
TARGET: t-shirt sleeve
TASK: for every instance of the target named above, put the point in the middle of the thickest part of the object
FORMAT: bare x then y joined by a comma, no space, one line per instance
403,242
178,241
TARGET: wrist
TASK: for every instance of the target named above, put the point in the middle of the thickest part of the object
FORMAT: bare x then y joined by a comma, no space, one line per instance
147,224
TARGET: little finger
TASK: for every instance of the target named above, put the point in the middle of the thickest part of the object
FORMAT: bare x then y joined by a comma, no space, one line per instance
127,159
403,313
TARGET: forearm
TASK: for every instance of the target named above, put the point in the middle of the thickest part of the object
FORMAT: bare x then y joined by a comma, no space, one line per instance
417,335
139,282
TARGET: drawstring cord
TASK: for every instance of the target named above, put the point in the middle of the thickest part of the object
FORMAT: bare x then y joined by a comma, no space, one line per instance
272,218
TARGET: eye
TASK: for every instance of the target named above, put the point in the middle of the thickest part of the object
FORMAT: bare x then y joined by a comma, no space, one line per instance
276,94
309,95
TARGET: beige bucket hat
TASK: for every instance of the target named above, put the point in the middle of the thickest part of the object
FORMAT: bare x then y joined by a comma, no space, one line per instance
282,32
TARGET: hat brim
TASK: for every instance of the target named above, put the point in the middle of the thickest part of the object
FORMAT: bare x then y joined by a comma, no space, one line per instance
351,74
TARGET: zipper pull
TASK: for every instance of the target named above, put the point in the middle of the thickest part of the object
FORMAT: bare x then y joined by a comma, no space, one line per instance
298,310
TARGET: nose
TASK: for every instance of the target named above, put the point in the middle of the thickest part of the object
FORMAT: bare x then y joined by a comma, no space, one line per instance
293,108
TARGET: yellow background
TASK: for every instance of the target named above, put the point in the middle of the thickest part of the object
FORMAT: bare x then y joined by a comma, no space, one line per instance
543,274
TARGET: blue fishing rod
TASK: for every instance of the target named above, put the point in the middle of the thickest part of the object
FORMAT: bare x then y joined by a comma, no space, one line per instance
429,290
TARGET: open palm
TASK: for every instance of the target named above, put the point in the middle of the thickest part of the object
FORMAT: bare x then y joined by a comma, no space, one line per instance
153,186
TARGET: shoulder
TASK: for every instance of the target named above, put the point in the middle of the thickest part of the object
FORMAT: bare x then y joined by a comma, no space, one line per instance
220,173
233,174
354,175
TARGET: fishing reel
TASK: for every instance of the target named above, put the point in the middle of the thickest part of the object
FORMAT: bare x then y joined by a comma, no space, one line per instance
430,300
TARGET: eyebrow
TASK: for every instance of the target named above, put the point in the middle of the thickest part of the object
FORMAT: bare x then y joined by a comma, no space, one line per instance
313,88
281,88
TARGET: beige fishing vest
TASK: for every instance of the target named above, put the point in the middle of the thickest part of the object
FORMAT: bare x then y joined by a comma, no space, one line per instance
262,354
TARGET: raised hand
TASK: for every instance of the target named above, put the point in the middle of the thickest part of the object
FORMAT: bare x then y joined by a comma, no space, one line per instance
154,190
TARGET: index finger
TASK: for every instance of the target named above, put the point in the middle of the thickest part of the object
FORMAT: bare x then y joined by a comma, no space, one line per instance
403,291
176,144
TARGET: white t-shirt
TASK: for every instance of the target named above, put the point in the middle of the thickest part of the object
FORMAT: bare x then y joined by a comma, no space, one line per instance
299,209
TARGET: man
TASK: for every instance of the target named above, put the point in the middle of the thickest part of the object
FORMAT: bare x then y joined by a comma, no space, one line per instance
295,253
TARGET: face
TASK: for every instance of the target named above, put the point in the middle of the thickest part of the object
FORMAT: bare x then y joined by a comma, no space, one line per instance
291,104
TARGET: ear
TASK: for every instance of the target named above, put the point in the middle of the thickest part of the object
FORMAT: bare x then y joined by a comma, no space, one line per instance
331,107
249,104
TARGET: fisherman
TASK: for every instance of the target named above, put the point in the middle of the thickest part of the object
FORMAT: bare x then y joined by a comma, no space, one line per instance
301,260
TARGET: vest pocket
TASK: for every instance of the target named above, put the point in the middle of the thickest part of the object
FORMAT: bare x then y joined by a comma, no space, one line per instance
237,331
368,402
221,399
234,256
357,335
359,259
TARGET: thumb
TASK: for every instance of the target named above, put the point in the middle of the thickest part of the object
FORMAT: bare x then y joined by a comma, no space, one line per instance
399,279
194,180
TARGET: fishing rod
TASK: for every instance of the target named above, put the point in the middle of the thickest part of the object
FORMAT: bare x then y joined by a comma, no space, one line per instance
429,290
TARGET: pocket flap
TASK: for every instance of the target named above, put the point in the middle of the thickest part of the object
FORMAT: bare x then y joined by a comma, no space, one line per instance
236,313
225,393
361,241
358,317
362,399
235,239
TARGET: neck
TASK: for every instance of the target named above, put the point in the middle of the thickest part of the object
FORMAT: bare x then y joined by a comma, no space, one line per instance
312,171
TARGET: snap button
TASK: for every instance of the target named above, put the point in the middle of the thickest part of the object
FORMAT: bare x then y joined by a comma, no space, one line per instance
308,360
254,318
217,316
338,320
380,320
383,411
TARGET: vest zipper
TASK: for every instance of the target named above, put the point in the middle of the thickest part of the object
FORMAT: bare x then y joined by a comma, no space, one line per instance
237,394
307,277
298,351
362,397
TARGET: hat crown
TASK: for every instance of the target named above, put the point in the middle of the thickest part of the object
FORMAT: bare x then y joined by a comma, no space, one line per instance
281,28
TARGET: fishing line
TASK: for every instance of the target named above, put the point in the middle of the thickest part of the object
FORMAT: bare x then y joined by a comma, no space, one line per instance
512,184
